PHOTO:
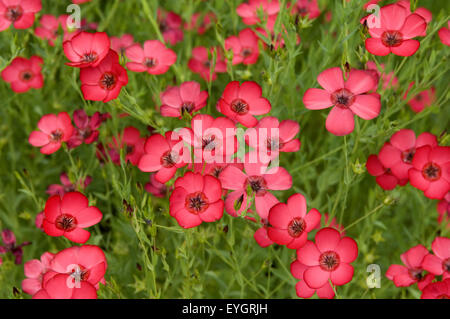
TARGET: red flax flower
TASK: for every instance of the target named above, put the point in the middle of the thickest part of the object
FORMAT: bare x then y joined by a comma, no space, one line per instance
245,47
69,215
443,208
431,171
10,245
34,272
412,272
306,8
290,222
328,258
48,30
154,58
164,154
170,25
133,144
397,28
241,102
202,64
67,185
384,176
420,101
156,188
186,98
104,82
19,13
86,128
249,11
196,199
86,49
437,290
302,289
121,44
439,262
200,22
24,74
444,34
397,155
54,130
348,98
74,273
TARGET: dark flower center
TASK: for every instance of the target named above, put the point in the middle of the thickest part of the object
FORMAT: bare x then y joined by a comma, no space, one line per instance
169,159
130,149
90,57
196,203
239,106
108,81
257,184
66,222
246,52
26,75
329,260
408,155
446,265
431,172
150,62
392,38
207,64
416,274
187,107
443,297
80,273
216,171
56,136
208,143
274,144
13,13
296,227
342,98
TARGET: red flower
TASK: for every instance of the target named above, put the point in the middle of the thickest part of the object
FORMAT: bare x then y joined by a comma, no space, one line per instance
241,102
200,22
261,236
104,82
164,154
202,64
39,220
306,8
422,100
196,199
67,186
48,29
397,155
10,245
24,74
290,222
439,263
272,136
347,97
80,1
86,49
74,273
20,13
170,26
186,98
397,28
384,176
154,58
34,272
86,128
443,208
302,289
69,215
431,171
444,34
120,45
412,272
54,130
132,142
258,179
437,290
388,80
249,12
328,259
245,47
156,188
331,223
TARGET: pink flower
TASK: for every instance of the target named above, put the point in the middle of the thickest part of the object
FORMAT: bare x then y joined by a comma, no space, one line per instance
245,47
328,258
121,44
347,97
272,136
306,8
69,215
249,12
80,1
38,221
170,26
397,155
48,29
422,100
431,171
74,273
290,223
241,102
154,58
257,180
303,290
443,208
164,154
196,199
444,34
133,144
186,98
20,13
439,263
202,64
34,271
86,128
24,74
104,82
437,290
388,80
10,246
67,186
261,236
87,49
156,188
54,130
331,223
397,28
384,176
412,272
200,22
